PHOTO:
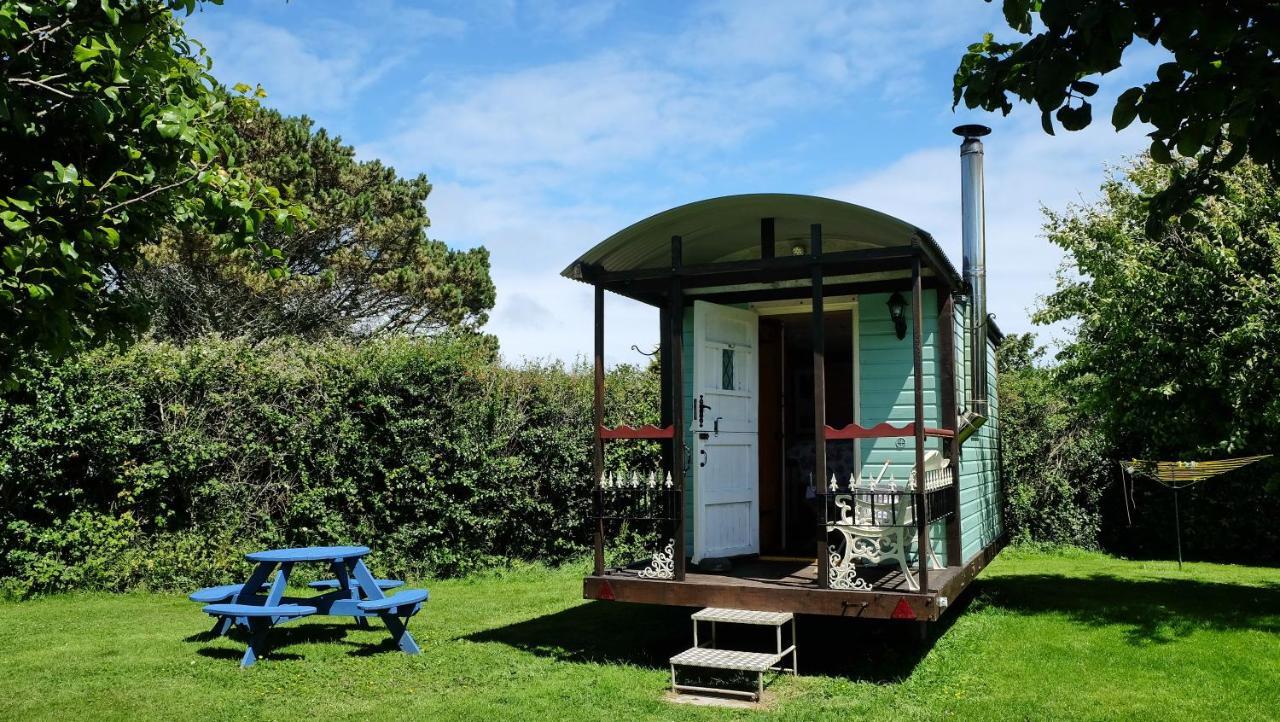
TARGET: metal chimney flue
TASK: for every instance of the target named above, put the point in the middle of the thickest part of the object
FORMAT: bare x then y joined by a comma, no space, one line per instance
973,218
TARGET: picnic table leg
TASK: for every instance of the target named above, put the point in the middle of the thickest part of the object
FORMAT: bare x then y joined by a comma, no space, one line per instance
257,642
397,628
366,581
344,584
250,589
221,626
278,587
400,633
256,580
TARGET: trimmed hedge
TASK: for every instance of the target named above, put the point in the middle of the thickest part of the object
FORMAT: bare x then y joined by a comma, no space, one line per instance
160,466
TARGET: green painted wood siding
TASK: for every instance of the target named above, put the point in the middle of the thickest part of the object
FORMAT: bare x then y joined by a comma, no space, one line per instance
980,487
886,392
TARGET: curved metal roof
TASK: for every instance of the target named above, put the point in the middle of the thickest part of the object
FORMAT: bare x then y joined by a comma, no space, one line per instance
728,229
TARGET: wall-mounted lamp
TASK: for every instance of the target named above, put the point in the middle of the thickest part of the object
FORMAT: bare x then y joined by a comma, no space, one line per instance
799,249
898,312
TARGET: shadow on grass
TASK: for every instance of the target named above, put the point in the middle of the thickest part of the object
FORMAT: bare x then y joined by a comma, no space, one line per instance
1154,611
887,652
609,632
289,635
647,636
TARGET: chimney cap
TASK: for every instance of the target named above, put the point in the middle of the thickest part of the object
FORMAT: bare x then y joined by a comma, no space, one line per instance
971,131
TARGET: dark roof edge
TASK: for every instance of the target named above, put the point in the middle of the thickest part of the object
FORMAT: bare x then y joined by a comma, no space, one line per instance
930,244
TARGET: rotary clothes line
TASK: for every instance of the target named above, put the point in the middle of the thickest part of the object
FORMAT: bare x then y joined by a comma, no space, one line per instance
1178,475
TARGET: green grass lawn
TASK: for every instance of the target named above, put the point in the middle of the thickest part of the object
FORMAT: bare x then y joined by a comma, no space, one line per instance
1041,637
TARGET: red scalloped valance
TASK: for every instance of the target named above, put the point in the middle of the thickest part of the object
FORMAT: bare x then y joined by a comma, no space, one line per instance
648,431
882,430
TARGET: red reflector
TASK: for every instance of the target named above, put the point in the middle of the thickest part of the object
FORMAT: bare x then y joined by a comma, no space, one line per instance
606,592
903,610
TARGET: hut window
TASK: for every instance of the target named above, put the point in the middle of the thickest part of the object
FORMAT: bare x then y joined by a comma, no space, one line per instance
726,369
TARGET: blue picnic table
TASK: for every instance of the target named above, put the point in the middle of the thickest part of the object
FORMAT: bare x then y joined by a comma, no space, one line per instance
352,592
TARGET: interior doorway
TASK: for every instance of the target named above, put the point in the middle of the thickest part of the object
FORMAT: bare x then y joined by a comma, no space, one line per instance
789,508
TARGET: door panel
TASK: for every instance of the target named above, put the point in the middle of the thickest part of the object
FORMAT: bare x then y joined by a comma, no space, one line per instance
725,479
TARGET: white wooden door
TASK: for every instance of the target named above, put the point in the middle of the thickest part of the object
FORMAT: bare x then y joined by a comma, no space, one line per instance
726,511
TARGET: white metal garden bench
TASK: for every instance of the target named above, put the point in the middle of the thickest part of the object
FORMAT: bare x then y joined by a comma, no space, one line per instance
879,525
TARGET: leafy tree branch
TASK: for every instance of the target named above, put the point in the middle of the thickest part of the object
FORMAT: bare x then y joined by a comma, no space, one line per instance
1217,99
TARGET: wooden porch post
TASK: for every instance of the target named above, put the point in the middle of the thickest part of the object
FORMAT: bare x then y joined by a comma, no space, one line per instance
947,406
664,368
675,342
819,402
597,420
917,360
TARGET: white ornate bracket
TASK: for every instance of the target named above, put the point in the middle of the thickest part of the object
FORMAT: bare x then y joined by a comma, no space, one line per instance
842,575
663,564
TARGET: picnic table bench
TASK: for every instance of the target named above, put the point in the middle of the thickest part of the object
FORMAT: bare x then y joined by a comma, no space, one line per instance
353,592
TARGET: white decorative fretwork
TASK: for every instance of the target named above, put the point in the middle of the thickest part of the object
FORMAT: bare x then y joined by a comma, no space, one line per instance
663,564
843,574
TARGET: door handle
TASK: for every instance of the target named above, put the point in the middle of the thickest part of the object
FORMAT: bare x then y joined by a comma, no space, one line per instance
699,410
715,425
703,453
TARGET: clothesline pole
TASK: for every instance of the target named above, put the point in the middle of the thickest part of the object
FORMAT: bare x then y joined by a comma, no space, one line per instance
1177,526
1170,473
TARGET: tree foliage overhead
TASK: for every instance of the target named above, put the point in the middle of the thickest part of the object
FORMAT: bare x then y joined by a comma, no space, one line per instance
1178,335
1218,98
110,128
363,263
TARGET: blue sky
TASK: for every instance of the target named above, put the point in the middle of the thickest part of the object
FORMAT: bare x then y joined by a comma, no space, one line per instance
546,125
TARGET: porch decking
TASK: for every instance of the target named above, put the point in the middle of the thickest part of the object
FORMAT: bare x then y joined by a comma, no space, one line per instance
791,586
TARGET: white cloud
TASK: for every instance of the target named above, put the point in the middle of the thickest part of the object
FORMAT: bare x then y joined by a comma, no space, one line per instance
539,162
571,19
1025,171
315,64
838,45
587,116
540,314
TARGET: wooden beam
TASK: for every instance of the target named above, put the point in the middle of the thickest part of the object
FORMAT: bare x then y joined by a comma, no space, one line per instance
675,315
597,443
947,407
955,586
917,361
715,591
763,269
854,288
664,378
767,238
819,398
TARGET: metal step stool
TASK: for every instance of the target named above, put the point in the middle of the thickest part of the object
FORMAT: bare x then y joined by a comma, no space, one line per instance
732,660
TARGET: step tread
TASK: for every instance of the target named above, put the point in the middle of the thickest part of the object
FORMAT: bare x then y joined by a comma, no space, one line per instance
742,616
726,659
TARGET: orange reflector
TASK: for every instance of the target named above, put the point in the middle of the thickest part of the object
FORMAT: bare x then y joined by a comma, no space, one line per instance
606,592
903,610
